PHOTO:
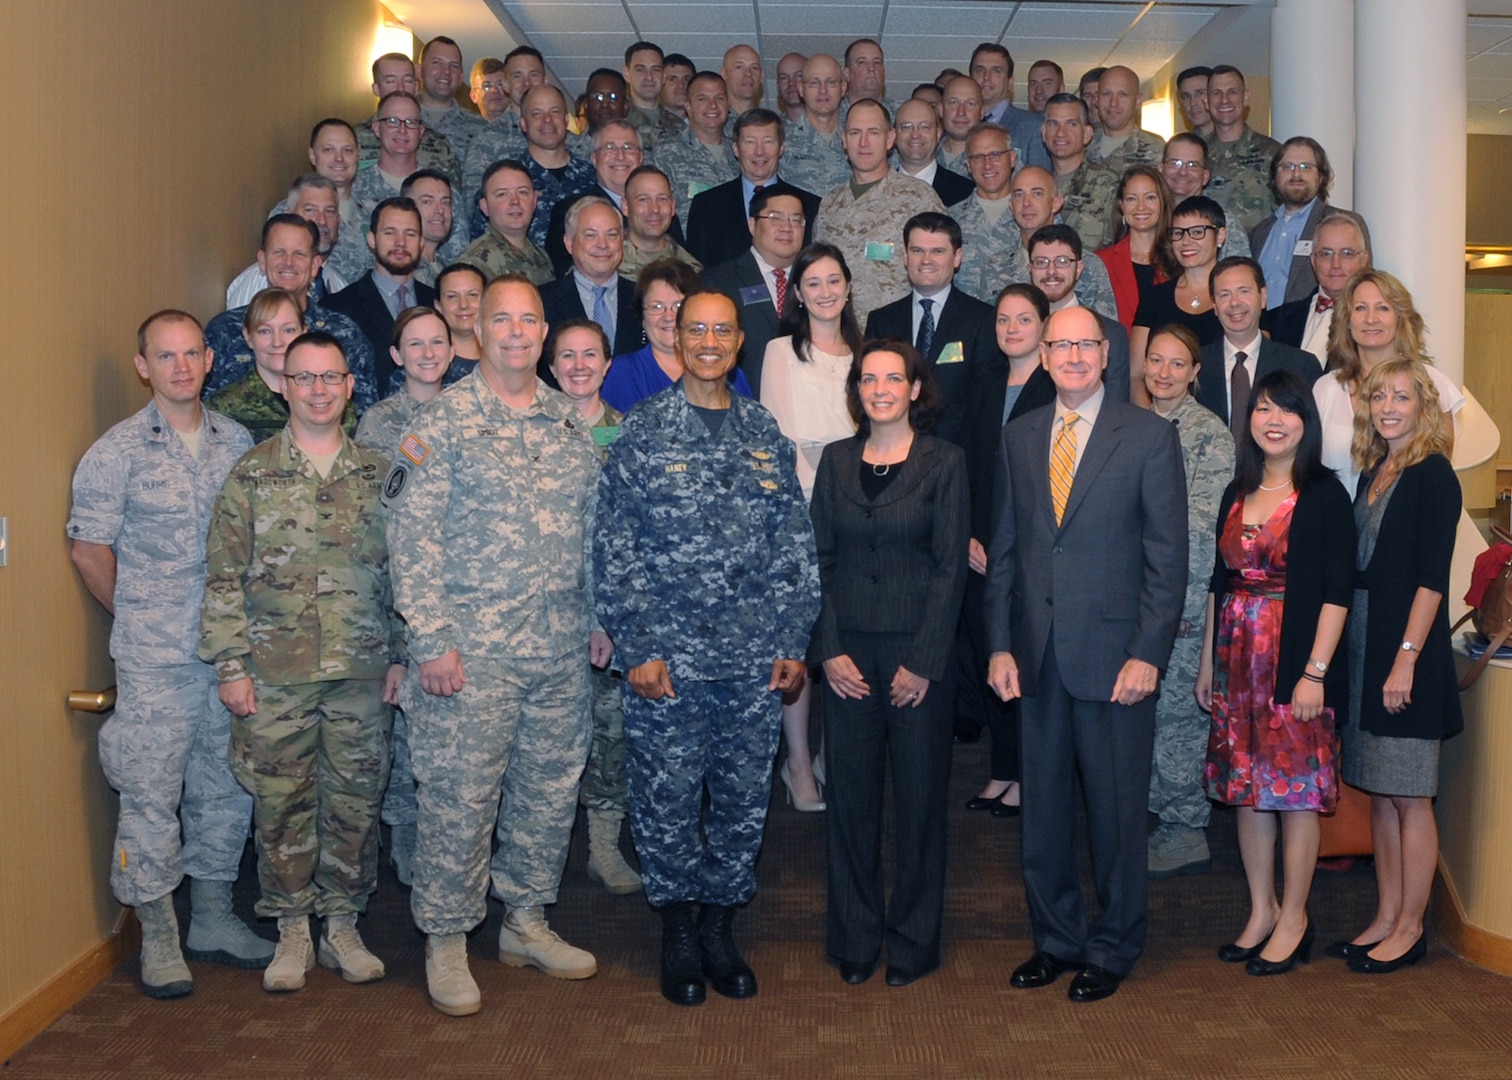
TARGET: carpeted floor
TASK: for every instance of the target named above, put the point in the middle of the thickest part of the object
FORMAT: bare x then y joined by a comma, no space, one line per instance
1181,1014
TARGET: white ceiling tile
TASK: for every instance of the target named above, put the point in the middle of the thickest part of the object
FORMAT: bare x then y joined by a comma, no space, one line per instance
967,24
543,21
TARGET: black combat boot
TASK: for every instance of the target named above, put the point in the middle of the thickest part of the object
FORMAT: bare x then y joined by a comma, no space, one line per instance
681,977
728,973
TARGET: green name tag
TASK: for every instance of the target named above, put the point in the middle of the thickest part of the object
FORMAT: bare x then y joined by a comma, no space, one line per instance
697,188
952,354
878,251
603,436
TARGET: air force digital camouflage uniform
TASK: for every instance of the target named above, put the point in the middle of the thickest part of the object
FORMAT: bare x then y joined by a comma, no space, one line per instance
1241,177
812,160
233,356
490,513
1087,197
693,167
1141,148
493,254
704,558
297,598
140,491
1177,794
869,230
655,127
1094,289
980,242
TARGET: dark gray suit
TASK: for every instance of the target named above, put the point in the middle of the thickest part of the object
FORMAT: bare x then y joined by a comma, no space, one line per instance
1072,603
1300,279
742,281
1212,380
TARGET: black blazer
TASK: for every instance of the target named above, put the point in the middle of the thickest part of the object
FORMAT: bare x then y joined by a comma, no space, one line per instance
718,225
741,280
1288,322
1116,377
1414,549
984,432
363,304
556,228
896,564
1212,381
950,186
1300,279
1319,570
965,322
561,302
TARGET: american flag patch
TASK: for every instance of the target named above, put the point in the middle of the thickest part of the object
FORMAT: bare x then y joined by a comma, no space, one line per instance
414,449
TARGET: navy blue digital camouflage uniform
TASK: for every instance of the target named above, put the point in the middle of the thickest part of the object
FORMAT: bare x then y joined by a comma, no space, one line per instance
233,356
704,558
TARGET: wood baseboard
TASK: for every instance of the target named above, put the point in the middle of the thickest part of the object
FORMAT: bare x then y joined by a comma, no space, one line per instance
1480,947
33,1016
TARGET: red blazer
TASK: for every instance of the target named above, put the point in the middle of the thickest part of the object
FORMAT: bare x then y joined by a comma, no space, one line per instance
1120,264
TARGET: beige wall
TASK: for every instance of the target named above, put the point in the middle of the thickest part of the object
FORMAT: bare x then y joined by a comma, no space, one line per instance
136,177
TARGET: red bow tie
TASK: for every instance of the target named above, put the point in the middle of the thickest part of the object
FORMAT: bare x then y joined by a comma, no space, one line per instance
1323,304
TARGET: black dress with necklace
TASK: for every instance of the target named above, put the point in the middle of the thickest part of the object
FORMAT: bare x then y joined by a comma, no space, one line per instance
1159,307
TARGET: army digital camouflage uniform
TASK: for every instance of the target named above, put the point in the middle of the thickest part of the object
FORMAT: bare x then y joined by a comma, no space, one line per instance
349,258
233,356
869,230
457,370
457,126
603,785
141,492
1177,794
812,160
981,241
434,152
260,409
1094,289
1241,177
704,558
693,167
450,249
493,254
1141,148
491,509
635,260
1088,195
552,186
497,140
297,599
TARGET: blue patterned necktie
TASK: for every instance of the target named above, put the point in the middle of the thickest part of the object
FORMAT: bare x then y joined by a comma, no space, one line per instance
926,329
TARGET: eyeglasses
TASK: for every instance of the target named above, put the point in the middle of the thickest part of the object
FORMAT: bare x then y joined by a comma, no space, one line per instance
986,156
610,98
394,123
620,149
772,216
487,86
1061,346
830,84
721,331
657,308
1178,164
1297,166
1060,262
1342,254
306,379
1196,232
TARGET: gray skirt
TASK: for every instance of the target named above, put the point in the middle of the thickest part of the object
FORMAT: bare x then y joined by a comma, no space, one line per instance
1380,764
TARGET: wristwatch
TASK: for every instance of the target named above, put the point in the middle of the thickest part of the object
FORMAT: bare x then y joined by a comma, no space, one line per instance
1317,665
1408,646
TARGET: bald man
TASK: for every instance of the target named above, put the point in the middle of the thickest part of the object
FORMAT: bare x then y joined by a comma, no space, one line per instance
1122,142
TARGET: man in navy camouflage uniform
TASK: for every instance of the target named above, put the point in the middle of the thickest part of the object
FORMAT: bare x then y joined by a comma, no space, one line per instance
708,584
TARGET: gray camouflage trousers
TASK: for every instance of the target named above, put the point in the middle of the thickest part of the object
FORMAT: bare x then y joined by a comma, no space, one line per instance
1177,794
164,749
604,777
504,754
315,758
721,735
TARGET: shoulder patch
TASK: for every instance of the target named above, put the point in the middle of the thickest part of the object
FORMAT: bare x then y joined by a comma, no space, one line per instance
414,449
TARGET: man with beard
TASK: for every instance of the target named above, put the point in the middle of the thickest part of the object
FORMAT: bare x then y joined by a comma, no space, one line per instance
374,300
314,198
1283,242
1056,264
290,260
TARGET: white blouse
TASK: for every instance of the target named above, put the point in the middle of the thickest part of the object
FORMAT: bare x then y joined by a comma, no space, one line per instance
808,401
1337,413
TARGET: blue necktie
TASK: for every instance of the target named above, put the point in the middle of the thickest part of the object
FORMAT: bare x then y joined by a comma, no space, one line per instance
601,313
926,329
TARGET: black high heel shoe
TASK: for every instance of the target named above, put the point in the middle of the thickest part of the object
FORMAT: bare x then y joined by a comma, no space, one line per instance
1369,965
1303,952
1238,954
1348,950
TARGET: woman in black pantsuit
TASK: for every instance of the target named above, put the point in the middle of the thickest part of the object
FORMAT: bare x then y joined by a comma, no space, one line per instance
892,524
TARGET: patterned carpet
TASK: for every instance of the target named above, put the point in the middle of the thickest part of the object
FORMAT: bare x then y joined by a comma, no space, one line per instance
1181,1014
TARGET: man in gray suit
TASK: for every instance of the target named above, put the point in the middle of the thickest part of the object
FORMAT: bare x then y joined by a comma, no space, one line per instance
1086,575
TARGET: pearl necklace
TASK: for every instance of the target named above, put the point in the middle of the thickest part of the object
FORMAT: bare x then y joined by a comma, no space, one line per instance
1282,486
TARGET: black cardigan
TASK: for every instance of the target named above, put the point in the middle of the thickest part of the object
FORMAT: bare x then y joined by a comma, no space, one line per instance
897,563
1413,550
984,435
1320,558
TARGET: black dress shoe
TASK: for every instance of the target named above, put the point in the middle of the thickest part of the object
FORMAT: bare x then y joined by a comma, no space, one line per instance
980,802
1041,969
1303,952
856,974
682,981
1238,954
1369,965
1003,810
727,971
1093,983
899,977
1348,950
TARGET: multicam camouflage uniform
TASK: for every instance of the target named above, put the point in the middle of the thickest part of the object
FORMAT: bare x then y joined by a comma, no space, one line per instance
654,128
693,167
1241,177
490,513
233,356
434,152
297,598
1177,794
869,230
981,241
493,254
262,410
140,491
636,260
1141,148
1088,195
812,160
704,558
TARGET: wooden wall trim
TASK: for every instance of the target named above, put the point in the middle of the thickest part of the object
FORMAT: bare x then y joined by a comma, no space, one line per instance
37,1013
1481,947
